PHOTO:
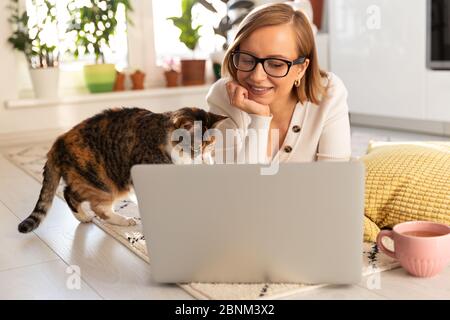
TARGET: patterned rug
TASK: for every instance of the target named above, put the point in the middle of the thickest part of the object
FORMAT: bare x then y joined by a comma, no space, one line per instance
31,159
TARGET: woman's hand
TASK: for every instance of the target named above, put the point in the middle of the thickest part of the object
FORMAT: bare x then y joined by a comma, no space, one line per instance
239,98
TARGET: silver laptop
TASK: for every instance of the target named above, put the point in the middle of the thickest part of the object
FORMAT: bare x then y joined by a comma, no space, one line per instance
228,223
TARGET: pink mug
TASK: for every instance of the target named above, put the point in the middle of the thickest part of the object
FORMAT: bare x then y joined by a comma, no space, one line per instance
421,247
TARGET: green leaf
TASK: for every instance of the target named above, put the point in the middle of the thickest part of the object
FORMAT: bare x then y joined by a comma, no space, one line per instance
189,35
83,16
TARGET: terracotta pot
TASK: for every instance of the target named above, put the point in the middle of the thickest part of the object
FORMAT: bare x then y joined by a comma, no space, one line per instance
171,78
138,78
193,72
119,85
317,6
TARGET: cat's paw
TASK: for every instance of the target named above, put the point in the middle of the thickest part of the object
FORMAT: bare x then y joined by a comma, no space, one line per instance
83,218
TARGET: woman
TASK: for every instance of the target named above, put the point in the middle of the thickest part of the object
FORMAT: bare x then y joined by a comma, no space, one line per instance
275,85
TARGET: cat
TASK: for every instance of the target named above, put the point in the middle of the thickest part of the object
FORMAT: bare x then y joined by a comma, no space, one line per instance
95,157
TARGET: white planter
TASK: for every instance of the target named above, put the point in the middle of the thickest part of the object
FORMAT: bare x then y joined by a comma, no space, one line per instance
45,82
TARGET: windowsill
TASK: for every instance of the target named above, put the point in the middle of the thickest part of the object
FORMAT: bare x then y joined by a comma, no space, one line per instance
107,96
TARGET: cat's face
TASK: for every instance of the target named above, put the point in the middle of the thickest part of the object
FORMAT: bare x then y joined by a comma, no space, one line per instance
187,139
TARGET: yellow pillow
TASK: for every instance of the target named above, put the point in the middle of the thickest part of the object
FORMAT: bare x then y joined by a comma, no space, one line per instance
406,181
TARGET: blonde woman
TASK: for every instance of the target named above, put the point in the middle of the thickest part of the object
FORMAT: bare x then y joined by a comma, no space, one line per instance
273,86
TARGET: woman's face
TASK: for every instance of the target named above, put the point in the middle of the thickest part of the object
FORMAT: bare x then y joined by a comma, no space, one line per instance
277,42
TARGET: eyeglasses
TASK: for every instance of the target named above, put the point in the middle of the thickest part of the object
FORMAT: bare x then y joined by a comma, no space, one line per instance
274,67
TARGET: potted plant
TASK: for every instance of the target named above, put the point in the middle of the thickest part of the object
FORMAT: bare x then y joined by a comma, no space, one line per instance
192,70
171,73
42,55
119,84
94,23
137,78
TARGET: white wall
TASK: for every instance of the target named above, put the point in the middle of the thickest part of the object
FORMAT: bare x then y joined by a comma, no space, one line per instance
8,74
378,48
383,68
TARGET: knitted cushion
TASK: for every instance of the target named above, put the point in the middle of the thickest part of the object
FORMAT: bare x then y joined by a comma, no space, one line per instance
406,181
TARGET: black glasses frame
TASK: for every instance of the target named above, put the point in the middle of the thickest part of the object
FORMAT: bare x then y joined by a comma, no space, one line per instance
299,60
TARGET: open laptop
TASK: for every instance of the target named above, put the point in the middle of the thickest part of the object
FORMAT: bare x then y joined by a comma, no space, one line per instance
228,223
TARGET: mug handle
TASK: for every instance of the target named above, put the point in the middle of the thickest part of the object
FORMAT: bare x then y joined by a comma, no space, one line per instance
381,234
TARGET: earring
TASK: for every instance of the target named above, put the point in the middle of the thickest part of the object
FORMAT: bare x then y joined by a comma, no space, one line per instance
297,83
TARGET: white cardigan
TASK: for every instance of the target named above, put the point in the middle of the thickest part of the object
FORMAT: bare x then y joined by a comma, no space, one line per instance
316,132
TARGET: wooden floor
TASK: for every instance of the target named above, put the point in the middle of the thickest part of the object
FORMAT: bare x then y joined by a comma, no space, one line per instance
36,265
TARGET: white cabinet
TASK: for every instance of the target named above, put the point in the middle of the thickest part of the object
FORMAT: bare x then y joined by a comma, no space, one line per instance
378,48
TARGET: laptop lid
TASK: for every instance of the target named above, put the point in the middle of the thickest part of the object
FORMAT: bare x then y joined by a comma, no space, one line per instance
229,223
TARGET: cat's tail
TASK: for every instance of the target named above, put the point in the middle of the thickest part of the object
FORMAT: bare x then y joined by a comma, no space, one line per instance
52,175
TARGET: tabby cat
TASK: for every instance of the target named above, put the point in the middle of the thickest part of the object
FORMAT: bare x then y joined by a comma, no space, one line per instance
95,158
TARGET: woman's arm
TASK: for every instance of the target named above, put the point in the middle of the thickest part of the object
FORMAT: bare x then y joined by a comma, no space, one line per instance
250,131
335,140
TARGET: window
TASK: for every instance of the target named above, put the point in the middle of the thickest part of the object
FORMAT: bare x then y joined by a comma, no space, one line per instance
166,35
118,51
71,68
129,47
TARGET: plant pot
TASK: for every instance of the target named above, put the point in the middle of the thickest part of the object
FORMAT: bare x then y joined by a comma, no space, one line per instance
119,85
171,78
45,82
137,78
193,72
100,77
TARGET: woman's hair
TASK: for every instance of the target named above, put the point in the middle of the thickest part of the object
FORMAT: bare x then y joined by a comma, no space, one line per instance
312,88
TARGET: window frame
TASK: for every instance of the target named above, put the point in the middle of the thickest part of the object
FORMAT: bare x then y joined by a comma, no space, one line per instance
141,43
141,55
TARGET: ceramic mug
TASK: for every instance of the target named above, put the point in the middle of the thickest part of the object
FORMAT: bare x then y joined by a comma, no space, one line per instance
421,247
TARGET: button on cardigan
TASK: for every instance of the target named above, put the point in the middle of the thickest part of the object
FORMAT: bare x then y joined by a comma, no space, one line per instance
316,131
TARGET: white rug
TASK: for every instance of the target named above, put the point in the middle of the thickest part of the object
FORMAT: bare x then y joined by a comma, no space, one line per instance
31,159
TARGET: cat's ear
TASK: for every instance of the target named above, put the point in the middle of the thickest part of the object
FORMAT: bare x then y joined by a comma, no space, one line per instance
214,119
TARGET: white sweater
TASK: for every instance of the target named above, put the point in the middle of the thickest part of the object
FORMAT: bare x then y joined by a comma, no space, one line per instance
316,132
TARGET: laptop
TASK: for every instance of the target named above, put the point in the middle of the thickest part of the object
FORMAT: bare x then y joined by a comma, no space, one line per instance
228,223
